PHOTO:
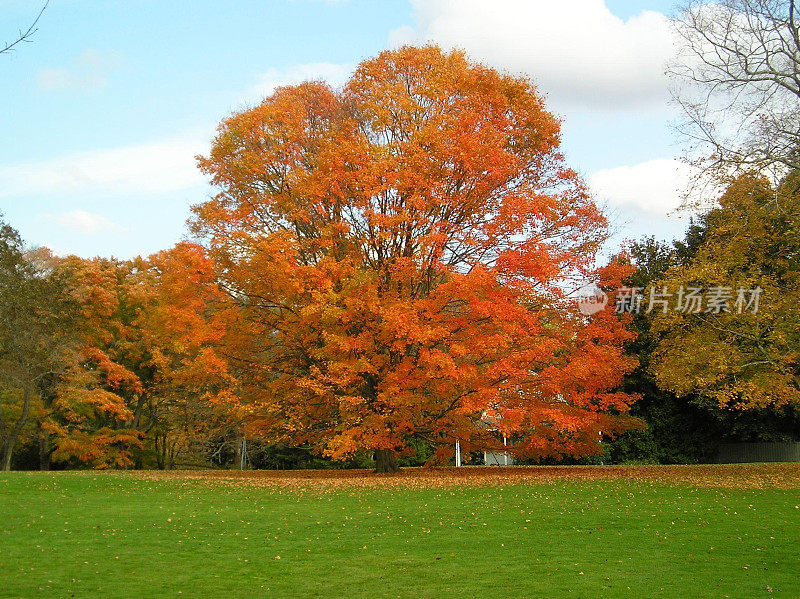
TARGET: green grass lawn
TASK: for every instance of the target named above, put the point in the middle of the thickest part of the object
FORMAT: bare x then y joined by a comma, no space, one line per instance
121,535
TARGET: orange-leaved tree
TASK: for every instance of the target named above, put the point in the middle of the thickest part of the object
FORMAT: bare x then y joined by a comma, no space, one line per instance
186,376
145,375
398,254
95,412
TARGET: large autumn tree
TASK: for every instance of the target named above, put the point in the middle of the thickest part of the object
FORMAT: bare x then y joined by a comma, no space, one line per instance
398,253
745,354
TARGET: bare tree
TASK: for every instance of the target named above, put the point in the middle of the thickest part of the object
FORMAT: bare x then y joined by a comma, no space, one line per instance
737,76
24,36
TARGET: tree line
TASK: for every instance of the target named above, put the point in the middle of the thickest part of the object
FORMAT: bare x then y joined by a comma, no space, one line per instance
389,268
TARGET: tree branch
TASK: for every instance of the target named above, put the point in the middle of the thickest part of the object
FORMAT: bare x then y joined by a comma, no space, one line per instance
27,34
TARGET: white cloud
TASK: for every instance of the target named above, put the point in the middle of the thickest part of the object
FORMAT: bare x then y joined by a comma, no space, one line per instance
334,73
149,168
92,58
401,36
578,52
85,223
88,71
61,79
656,187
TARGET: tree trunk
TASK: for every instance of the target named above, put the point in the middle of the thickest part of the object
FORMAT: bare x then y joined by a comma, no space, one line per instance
44,450
137,412
5,464
12,436
8,448
161,451
386,461
172,454
238,453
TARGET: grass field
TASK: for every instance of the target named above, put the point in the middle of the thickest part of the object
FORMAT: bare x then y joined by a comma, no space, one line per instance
524,532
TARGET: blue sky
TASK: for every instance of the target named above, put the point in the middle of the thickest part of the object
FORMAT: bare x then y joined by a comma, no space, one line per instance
102,113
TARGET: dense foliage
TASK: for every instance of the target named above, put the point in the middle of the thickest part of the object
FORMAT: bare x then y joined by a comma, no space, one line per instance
707,378
397,254
386,270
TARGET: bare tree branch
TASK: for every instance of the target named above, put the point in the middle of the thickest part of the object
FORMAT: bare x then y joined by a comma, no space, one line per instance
25,36
737,81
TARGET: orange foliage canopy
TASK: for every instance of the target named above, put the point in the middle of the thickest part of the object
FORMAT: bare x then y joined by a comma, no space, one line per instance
143,373
396,254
